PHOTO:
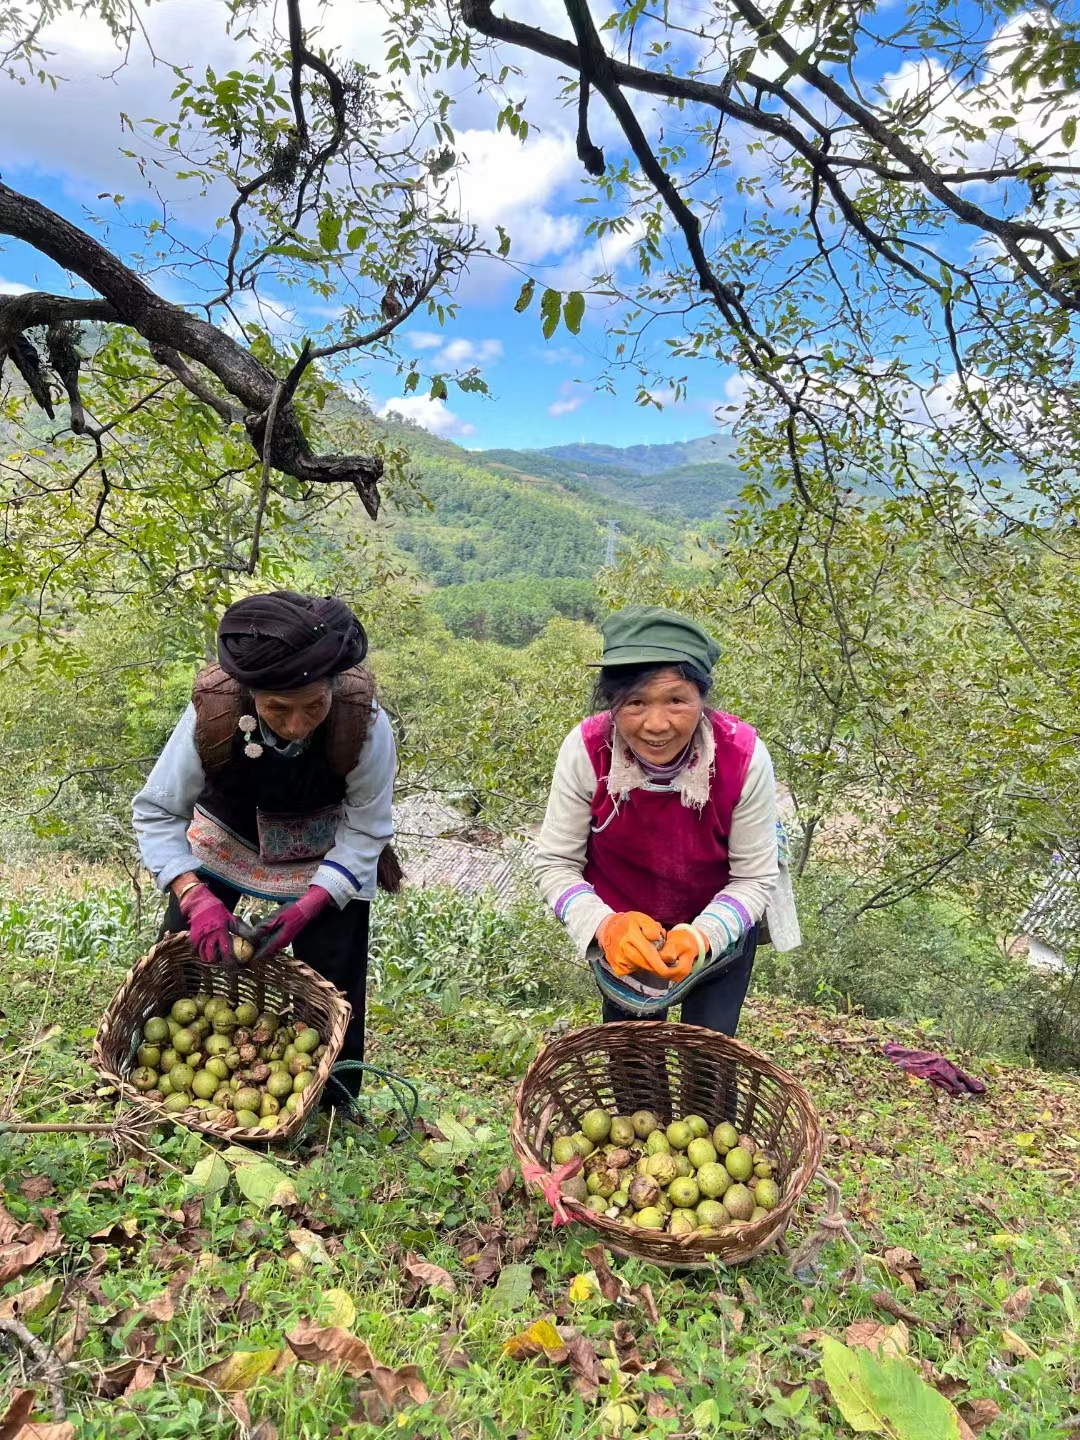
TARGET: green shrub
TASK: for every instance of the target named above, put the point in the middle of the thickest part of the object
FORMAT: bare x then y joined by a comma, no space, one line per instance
922,959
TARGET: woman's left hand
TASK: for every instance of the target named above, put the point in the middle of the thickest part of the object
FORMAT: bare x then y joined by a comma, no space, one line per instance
282,928
684,945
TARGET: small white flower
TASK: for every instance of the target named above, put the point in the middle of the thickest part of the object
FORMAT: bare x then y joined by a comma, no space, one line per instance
246,722
253,751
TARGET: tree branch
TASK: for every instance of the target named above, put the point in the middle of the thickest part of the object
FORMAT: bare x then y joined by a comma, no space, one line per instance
132,302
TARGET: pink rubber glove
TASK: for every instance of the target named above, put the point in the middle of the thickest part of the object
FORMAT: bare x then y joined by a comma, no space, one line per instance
210,925
282,929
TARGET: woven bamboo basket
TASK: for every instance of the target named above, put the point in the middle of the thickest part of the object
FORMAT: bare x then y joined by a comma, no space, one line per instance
171,970
673,1070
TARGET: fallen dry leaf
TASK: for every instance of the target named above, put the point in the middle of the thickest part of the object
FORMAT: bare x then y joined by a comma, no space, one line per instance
145,1374
240,1370
1016,1345
645,1295
45,1430
880,1339
36,1187
746,1290
1018,1303
9,1227
488,1262
449,1353
74,1336
611,1286
118,1379
884,1301
18,1412
588,1373
541,1338
161,1309
27,1244
327,1345
978,1414
425,1275
32,1302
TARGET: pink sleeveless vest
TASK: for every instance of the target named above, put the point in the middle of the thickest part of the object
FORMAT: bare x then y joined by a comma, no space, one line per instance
647,850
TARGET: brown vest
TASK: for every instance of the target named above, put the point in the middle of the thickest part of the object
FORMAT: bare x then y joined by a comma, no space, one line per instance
219,702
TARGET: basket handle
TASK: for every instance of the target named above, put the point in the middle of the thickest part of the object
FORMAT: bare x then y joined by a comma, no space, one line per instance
550,1186
803,1264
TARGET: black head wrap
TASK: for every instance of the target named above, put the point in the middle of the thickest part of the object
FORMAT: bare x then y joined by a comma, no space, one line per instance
285,641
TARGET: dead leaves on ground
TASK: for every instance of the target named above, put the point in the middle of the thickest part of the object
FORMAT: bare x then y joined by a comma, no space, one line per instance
17,1425
388,1385
24,1245
546,1343
423,1275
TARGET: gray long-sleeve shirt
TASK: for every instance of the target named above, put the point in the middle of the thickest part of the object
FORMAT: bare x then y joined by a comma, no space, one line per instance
163,808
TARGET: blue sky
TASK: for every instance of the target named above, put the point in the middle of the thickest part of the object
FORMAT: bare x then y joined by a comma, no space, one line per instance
64,148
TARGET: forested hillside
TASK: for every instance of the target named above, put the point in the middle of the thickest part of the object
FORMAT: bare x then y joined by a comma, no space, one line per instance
483,521
696,480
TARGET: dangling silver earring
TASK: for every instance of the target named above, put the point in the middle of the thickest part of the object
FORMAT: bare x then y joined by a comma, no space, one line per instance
247,724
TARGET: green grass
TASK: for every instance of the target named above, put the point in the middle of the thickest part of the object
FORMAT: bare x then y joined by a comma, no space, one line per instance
982,1194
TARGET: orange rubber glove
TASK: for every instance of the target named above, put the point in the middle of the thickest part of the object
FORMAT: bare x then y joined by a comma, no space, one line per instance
684,946
630,940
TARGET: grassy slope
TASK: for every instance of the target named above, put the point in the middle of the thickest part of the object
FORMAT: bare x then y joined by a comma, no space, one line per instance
983,1213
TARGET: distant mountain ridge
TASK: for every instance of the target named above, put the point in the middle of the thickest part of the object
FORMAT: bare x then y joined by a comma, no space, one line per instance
650,459
687,480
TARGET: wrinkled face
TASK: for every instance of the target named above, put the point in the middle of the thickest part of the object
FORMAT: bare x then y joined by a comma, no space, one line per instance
294,714
659,718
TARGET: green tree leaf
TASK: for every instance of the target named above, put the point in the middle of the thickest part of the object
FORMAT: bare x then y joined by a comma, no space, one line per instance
329,230
885,1396
573,310
842,1375
550,310
209,1176
513,1288
265,1185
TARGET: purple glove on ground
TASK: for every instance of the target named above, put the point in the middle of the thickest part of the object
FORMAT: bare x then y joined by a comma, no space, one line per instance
933,1067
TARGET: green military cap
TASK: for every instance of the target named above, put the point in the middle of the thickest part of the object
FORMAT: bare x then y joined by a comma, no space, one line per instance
649,634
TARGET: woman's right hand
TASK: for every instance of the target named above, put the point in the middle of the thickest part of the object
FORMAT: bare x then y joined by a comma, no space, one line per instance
210,925
630,941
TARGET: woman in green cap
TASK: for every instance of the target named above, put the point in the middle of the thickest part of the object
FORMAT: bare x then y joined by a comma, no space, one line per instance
659,847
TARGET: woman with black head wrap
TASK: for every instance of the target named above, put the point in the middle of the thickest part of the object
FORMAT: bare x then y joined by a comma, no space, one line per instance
276,784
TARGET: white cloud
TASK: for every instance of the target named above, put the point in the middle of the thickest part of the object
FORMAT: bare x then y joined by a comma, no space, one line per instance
571,398
504,182
276,317
558,355
602,257
666,396
432,414
12,287
457,353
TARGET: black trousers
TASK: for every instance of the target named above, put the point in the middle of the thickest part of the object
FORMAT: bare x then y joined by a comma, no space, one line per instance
335,944
716,1004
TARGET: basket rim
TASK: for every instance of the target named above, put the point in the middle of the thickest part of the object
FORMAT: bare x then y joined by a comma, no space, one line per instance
178,941
693,1250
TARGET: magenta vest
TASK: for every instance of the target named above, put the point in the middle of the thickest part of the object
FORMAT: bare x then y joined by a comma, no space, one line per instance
650,851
